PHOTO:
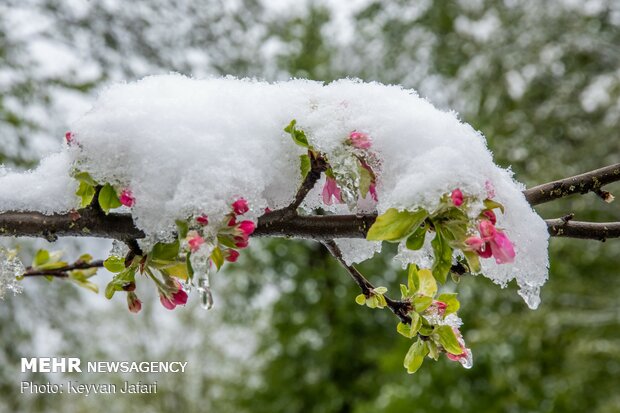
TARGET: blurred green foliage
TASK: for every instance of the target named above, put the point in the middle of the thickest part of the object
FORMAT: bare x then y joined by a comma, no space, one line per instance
541,80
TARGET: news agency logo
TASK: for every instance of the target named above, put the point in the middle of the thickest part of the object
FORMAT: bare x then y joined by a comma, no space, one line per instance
51,365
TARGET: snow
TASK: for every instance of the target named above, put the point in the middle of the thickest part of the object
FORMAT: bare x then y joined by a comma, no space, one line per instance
186,147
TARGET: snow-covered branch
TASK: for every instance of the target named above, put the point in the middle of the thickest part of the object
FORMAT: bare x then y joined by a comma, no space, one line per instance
91,222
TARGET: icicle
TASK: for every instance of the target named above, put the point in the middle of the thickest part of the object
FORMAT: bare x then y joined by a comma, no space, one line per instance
467,361
10,268
204,290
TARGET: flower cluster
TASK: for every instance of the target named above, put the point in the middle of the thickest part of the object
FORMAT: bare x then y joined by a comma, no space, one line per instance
365,178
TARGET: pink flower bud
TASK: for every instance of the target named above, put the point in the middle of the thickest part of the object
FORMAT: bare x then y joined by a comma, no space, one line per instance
180,297
485,252
194,242
247,227
134,304
240,206
487,230
127,198
488,185
360,140
372,190
231,255
203,220
490,215
475,243
502,248
167,302
70,138
232,221
441,307
457,197
241,242
331,190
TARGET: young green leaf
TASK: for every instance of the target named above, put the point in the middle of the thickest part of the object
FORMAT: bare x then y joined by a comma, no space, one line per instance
304,165
415,356
395,225
85,178
443,255
365,180
410,330
40,258
448,340
490,204
421,303
165,253
108,199
416,240
86,192
360,299
299,137
217,257
114,264
182,228
426,283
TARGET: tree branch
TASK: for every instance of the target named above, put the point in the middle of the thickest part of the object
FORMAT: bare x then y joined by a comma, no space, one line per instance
579,184
62,272
286,222
399,308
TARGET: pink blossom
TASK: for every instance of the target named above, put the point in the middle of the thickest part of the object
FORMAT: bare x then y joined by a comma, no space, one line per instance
167,302
231,255
70,138
487,230
203,220
490,215
240,206
488,185
179,297
475,243
373,192
247,227
331,190
194,242
440,306
232,221
360,140
457,197
267,210
134,304
127,198
241,241
502,248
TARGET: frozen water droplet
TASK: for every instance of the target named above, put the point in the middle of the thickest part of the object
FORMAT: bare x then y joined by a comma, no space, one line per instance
119,249
204,291
10,268
468,361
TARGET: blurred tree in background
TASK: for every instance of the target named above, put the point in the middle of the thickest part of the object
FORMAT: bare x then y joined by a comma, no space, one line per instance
541,80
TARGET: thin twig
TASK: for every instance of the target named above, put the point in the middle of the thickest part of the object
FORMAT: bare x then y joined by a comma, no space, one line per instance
399,308
579,184
63,271
601,231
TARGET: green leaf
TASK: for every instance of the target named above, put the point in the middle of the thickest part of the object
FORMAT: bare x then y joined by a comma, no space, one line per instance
448,340
410,330
473,260
86,192
404,291
226,241
53,265
217,257
190,268
395,225
416,240
110,290
380,290
299,137
490,204
178,270
433,351
182,228
415,356
304,165
108,199
426,283
365,180
421,303
40,258
360,299
165,253
85,178
85,258
114,264
86,284
451,301
443,255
